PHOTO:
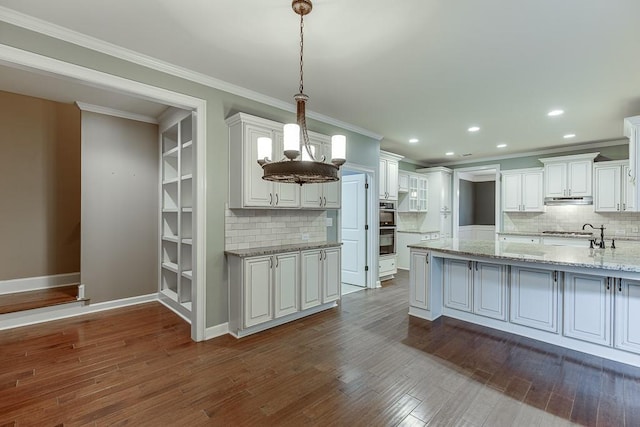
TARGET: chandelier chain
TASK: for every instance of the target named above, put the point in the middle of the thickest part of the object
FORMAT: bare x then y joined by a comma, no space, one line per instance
301,53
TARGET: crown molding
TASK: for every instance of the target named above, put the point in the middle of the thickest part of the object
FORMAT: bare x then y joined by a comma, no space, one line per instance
116,113
61,33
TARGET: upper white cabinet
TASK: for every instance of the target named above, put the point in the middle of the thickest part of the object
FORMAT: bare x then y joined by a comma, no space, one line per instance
568,176
613,187
439,202
247,189
416,198
388,176
403,182
632,131
522,190
321,196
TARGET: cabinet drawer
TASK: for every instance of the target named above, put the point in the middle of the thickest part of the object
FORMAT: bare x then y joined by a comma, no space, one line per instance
387,265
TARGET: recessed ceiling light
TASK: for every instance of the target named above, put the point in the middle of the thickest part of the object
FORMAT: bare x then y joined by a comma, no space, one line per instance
569,135
553,113
449,153
473,129
501,145
414,140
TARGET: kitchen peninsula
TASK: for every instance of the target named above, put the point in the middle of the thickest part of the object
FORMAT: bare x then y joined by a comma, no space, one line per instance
579,298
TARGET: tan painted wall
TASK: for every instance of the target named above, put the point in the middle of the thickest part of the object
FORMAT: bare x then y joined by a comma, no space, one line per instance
40,187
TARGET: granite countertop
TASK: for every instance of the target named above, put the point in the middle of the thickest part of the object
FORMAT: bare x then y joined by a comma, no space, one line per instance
607,238
626,259
270,250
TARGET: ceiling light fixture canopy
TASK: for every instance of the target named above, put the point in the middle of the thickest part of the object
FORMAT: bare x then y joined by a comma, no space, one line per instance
296,168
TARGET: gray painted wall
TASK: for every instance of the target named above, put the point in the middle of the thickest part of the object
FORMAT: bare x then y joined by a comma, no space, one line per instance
466,204
119,226
361,150
477,203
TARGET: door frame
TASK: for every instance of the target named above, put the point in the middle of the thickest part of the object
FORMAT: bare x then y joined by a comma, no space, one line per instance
372,219
32,62
467,172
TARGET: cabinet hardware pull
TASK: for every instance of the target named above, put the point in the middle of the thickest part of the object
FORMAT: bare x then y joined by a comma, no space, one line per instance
276,199
270,262
555,276
270,198
470,262
569,191
624,206
320,200
476,265
277,262
426,259
325,201
608,283
619,285
618,208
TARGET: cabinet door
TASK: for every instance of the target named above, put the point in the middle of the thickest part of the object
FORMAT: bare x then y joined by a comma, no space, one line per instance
331,275
392,180
311,273
628,190
382,178
579,178
511,192
607,194
419,280
257,290
534,298
403,182
555,180
413,194
287,279
257,192
532,192
284,195
332,195
587,308
627,306
457,284
311,194
423,194
490,290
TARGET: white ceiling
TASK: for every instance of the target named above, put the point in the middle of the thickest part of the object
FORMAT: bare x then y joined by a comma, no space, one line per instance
413,68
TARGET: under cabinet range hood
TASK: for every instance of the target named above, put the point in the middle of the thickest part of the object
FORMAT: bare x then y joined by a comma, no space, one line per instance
559,201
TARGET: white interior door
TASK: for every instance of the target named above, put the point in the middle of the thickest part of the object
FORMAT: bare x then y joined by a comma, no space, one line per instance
354,219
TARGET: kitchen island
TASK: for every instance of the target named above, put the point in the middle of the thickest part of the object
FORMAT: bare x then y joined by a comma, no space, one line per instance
580,298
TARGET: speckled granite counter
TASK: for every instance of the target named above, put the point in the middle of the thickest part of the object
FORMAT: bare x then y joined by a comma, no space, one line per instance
270,250
569,236
626,259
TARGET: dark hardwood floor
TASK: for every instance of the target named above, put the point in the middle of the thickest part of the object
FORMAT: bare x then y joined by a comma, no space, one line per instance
19,301
365,363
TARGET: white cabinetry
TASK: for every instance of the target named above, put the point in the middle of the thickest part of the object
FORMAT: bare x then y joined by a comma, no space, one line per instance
534,298
388,176
387,267
568,176
476,287
178,201
419,292
613,187
627,316
632,131
320,277
522,190
416,198
439,201
286,278
403,182
587,308
321,196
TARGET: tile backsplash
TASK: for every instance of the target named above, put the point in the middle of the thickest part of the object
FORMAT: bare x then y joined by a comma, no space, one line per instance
257,228
571,218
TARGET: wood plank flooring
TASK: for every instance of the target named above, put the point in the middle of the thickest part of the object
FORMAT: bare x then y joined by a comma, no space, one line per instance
365,363
20,301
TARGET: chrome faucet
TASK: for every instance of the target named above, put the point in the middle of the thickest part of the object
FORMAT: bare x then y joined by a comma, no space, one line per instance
594,242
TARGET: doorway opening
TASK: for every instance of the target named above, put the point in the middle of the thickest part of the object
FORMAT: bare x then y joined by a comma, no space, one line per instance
476,202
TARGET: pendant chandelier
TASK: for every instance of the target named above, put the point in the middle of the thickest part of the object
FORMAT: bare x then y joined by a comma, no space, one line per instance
310,167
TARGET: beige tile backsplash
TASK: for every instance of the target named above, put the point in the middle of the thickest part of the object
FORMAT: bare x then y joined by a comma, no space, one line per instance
257,228
571,218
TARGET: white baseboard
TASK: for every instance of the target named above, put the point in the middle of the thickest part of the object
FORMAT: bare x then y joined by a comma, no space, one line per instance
216,331
40,316
35,283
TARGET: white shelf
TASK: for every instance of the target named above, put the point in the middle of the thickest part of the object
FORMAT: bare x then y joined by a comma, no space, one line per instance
170,266
187,209
169,293
171,153
187,144
170,239
172,210
186,177
187,305
170,181
188,274
188,241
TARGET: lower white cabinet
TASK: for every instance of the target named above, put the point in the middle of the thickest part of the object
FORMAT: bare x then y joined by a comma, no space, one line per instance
419,280
387,267
320,277
477,287
534,298
587,308
627,315
268,290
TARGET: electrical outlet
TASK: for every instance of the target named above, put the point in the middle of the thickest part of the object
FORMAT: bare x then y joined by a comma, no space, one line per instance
634,229
305,236
328,222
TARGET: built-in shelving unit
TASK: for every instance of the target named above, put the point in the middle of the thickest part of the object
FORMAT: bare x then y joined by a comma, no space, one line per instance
178,200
